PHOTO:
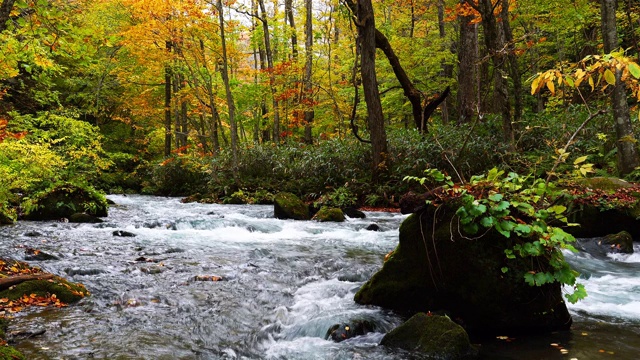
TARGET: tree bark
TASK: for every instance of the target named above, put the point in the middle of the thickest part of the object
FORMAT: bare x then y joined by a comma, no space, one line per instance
367,40
467,68
5,13
288,10
307,100
628,158
224,71
269,54
494,39
167,104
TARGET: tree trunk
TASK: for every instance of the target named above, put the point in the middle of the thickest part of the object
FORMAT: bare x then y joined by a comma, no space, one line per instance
494,39
288,10
628,158
215,116
5,13
167,104
447,70
514,70
307,100
269,53
224,71
467,69
367,40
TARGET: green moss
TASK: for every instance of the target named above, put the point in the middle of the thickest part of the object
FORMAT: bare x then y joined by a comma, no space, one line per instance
434,336
605,183
329,214
9,353
64,200
66,291
289,206
622,242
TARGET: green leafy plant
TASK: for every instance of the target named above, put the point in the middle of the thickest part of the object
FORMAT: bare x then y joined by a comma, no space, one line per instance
518,208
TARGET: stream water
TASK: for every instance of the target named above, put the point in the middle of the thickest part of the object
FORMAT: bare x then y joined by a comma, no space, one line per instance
283,285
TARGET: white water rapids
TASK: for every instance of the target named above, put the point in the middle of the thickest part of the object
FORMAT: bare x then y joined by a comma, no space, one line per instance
285,283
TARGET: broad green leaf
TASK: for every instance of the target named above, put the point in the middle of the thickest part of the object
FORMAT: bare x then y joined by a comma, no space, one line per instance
609,77
634,69
495,197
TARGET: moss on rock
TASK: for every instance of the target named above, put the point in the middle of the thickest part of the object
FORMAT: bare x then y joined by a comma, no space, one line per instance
329,214
64,290
9,353
64,200
289,206
434,336
438,269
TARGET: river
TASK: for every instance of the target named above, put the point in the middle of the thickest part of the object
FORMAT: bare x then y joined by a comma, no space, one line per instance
282,285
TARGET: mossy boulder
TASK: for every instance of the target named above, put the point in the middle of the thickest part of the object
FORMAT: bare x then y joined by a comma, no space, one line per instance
9,353
289,206
604,206
436,337
64,290
62,201
329,214
439,269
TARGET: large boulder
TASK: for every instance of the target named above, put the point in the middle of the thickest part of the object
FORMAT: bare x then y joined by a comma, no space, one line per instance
440,269
288,206
434,336
65,200
604,206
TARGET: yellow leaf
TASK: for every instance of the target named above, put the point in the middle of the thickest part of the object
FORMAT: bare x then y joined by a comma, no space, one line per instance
551,87
534,85
609,77
591,83
579,160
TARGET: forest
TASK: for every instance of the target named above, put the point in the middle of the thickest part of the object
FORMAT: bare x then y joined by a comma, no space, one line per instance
336,101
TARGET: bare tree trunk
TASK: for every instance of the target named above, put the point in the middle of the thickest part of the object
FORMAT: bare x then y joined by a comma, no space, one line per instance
628,158
167,104
514,70
307,101
367,40
467,69
224,71
288,10
447,70
494,39
269,53
215,116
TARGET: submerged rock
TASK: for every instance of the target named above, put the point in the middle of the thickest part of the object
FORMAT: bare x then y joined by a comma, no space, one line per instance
354,213
329,214
433,269
38,255
620,243
288,206
344,331
84,218
435,336
123,233
373,227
